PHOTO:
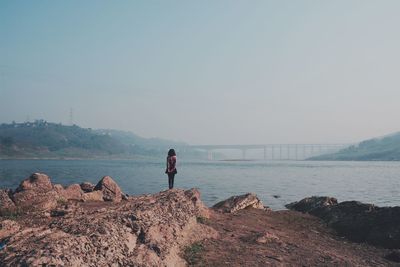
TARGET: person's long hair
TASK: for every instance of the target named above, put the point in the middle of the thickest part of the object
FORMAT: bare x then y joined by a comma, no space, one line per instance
171,153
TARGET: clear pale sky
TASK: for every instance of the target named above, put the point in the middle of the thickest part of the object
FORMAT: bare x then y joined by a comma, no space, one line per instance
205,72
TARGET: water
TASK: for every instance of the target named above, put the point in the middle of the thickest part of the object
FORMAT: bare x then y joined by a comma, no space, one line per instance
370,182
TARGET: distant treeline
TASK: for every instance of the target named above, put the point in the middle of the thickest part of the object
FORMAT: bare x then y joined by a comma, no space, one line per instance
385,148
42,139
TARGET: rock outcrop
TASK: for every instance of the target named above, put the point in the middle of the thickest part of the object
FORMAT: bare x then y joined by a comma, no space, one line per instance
72,192
357,221
38,182
87,187
110,189
235,203
38,193
8,228
149,230
312,204
5,201
93,196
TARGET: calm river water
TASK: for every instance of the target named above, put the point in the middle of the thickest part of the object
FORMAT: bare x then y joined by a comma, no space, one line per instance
372,182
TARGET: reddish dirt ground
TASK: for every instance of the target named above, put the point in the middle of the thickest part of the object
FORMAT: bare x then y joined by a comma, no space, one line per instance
254,237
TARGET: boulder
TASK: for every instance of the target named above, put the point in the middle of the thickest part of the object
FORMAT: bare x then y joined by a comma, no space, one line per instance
38,181
87,187
36,193
311,204
357,221
93,196
110,189
74,192
58,188
5,201
235,203
36,201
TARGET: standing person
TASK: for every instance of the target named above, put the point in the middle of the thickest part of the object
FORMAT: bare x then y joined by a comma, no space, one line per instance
171,167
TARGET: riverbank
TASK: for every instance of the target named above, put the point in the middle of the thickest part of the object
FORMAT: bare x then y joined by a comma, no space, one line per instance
96,225
60,158
253,237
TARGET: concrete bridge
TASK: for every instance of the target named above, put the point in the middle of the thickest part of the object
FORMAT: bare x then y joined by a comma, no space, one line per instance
276,151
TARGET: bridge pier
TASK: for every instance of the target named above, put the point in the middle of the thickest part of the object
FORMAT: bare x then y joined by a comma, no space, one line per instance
265,152
209,155
272,152
288,152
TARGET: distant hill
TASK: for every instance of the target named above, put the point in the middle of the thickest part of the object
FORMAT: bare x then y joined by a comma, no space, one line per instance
41,139
386,148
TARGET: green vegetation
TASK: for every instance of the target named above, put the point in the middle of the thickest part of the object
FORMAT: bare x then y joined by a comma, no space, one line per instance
192,253
61,201
386,149
202,220
42,139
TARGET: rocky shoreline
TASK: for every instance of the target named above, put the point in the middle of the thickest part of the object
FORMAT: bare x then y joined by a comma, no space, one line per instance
43,224
357,221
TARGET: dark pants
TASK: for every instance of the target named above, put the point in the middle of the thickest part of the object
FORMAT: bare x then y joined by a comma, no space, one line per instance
171,177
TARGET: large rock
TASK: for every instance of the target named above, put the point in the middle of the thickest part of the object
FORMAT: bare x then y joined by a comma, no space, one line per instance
36,193
235,203
87,187
59,188
312,204
36,201
38,181
5,201
147,230
72,192
357,221
110,189
93,196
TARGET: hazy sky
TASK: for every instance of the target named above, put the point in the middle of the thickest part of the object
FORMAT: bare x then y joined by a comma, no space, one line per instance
205,72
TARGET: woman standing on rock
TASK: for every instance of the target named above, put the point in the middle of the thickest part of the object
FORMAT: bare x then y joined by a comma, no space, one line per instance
171,167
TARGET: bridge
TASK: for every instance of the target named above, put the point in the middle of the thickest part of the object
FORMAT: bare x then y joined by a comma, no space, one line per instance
276,151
